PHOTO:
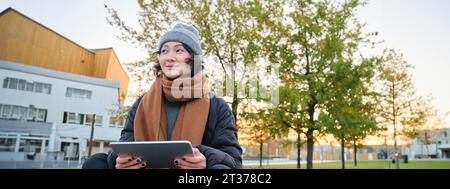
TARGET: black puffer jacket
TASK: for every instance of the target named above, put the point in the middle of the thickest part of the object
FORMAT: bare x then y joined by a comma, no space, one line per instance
219,144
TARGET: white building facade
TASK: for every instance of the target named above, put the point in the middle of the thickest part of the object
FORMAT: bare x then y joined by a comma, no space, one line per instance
437,145
59,106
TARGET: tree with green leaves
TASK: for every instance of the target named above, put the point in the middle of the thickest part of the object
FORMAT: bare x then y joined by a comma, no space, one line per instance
231,34
316,36
289,117
350,125
257,125
350,110
400,107
367,126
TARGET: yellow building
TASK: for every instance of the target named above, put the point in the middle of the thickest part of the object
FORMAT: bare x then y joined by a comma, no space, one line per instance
25,41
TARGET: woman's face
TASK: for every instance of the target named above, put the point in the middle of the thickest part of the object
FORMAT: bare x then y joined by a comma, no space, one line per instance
172,59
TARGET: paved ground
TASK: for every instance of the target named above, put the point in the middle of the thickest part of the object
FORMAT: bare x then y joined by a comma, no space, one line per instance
37,165
280,162
74,164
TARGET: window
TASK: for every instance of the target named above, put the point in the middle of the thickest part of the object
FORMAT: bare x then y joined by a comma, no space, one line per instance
89,119
65,117
5,82
15,112
32,113
89,94
41,115
69,92
80,118
6,111
13,83
7,144
69,117
21,84
98,120
22,112
38,87
78,93
47,88
32,146
29,86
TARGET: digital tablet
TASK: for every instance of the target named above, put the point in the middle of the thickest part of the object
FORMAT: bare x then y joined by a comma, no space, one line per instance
157,154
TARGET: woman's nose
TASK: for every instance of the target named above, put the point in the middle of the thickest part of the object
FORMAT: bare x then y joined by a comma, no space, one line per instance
171,57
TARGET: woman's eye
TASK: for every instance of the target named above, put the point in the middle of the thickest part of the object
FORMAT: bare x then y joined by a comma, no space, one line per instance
180,50
164,51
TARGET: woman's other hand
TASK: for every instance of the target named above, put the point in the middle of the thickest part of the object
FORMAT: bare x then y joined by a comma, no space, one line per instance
198,161
128,162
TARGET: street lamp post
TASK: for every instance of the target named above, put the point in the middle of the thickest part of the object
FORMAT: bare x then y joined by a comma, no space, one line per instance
92,136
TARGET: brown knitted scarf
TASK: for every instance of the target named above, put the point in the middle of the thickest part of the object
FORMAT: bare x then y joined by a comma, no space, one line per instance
150,122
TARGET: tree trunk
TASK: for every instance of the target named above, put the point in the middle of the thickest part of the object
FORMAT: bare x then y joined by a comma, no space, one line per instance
309,134
260,152
394,115
235,103
395,149
355,151
342,152
310,148
234,106
298,150
311,108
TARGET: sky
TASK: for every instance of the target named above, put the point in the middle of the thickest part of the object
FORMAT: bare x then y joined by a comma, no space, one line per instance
418,29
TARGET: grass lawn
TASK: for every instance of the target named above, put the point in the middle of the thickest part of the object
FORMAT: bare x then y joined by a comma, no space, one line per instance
374,164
